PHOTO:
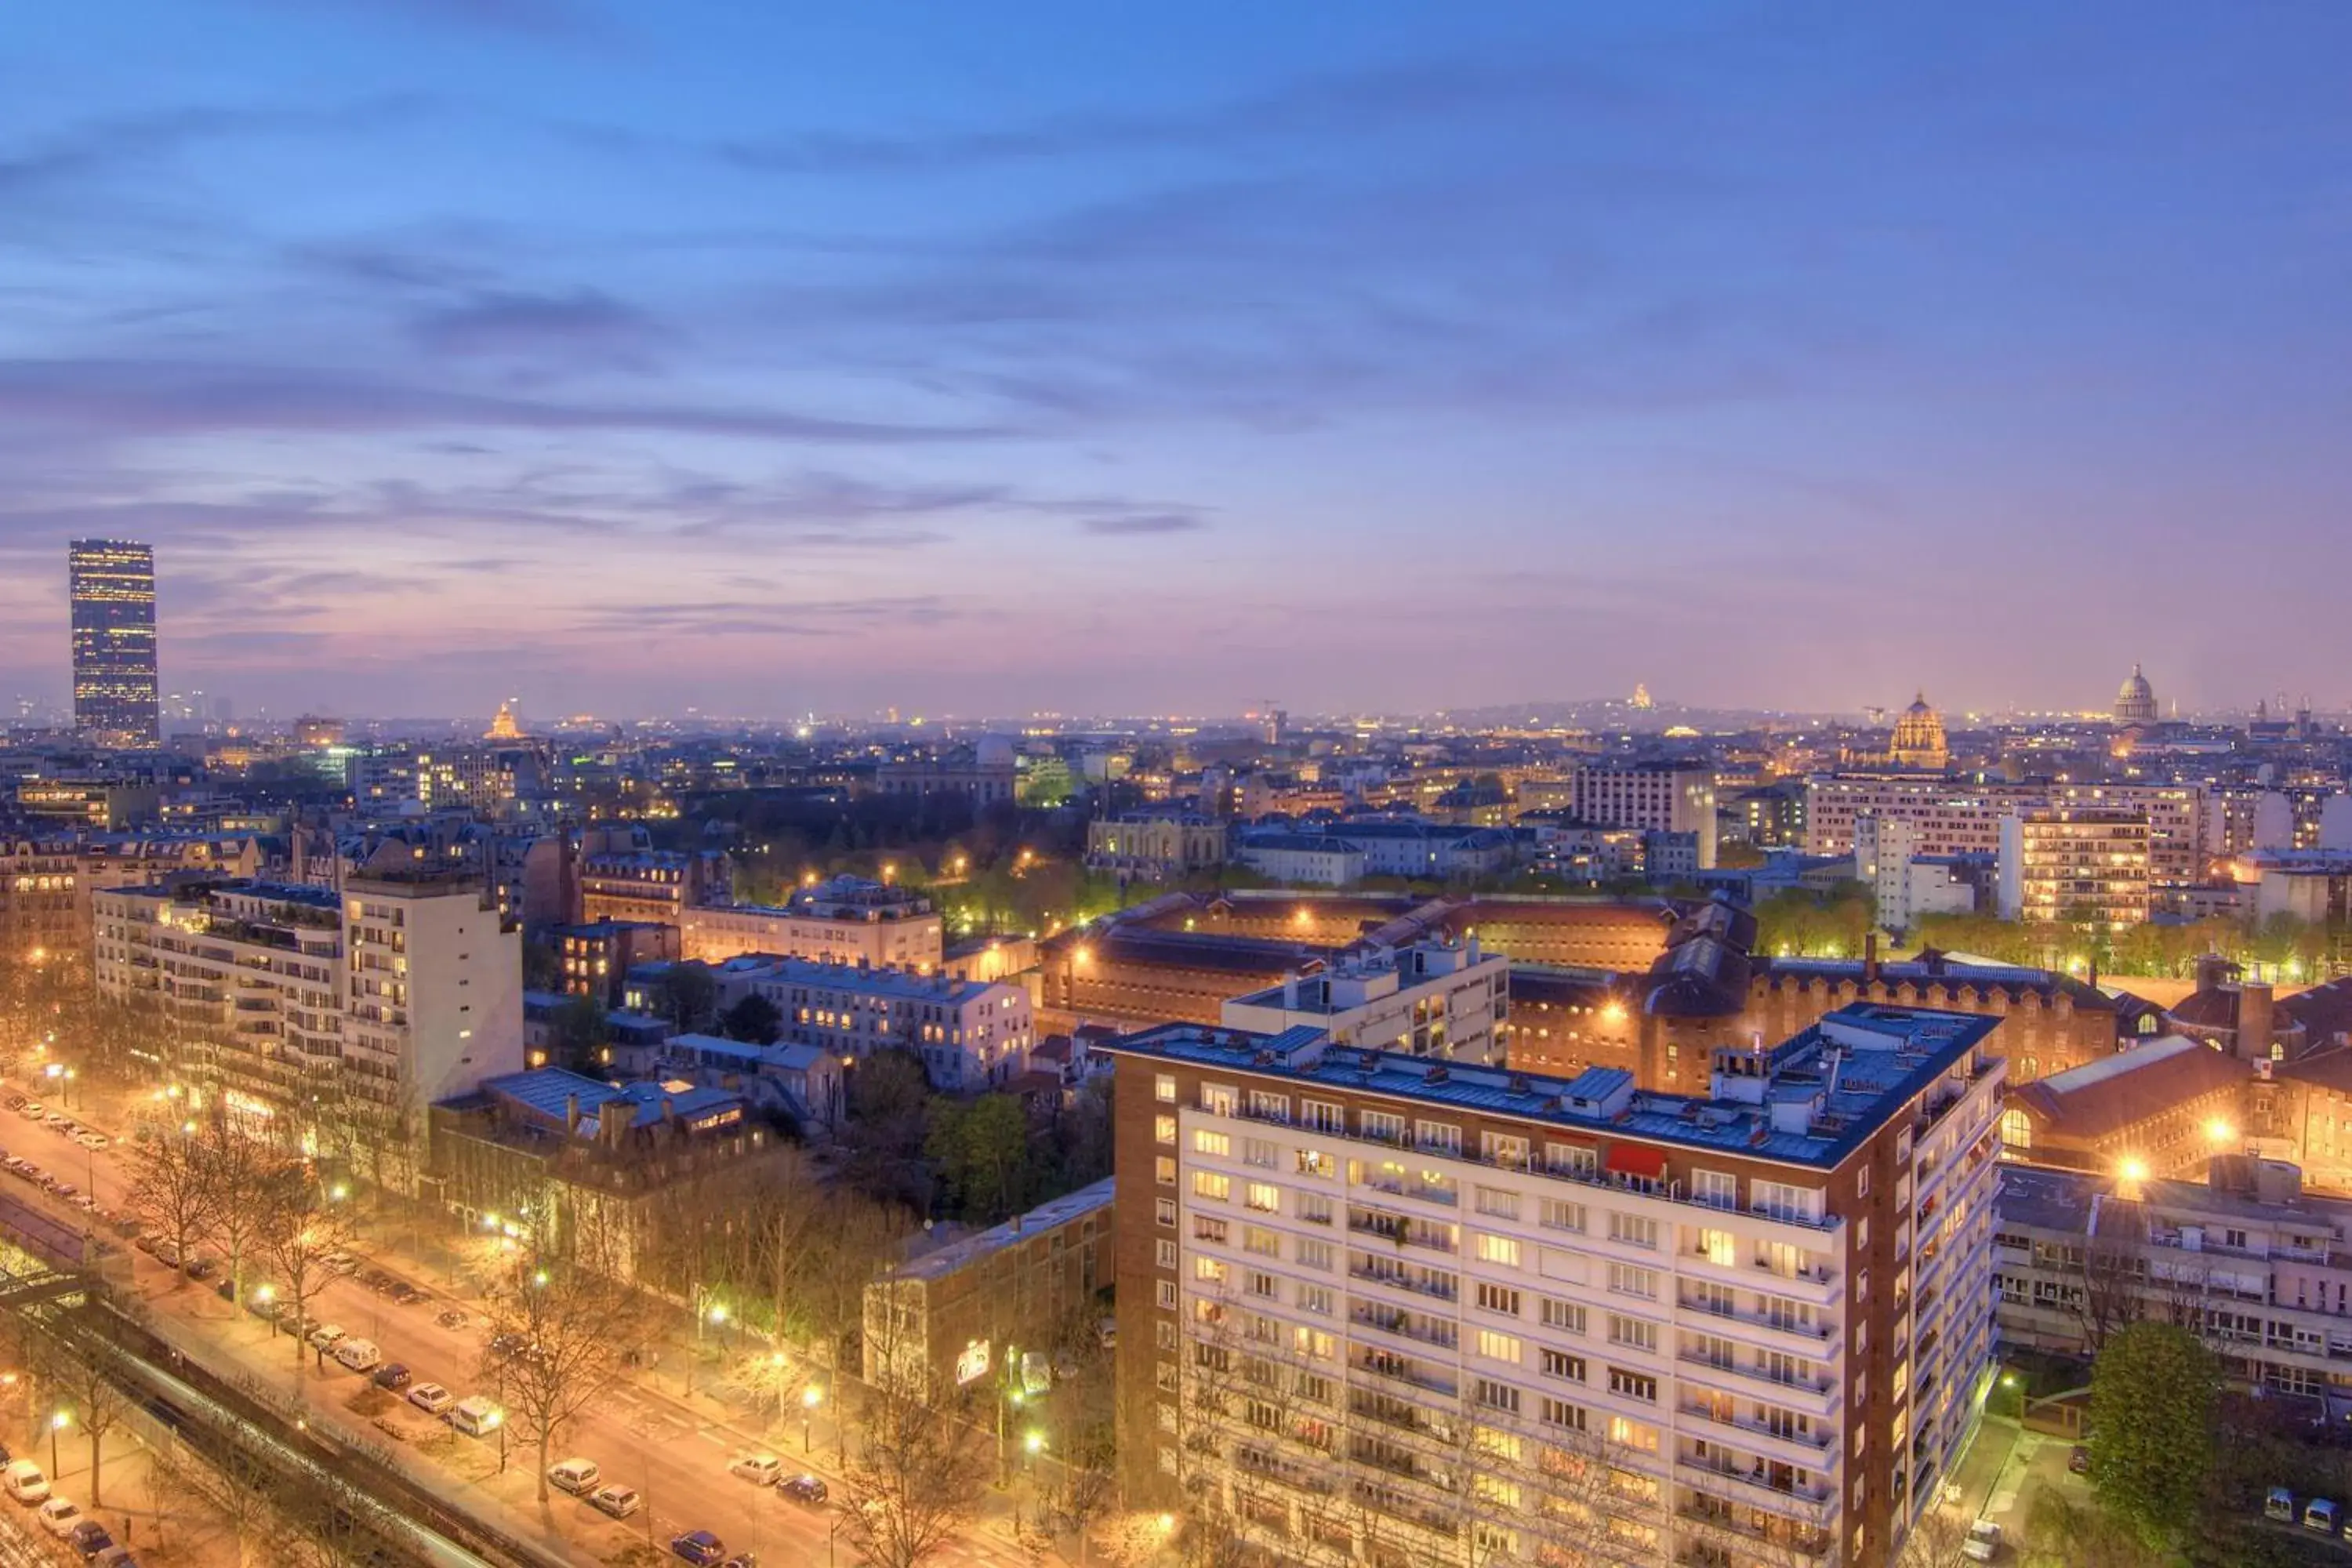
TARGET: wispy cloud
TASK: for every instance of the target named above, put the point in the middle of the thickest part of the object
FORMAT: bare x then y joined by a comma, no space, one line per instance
581,328
1147,522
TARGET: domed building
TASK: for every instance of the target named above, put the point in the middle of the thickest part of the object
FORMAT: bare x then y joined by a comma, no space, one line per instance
1919,737
2135,702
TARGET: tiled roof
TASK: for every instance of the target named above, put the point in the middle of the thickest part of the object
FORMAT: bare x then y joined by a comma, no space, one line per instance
2118,1091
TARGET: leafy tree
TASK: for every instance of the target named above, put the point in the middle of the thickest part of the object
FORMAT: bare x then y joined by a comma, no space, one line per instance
754,1020
983,1151
2153,1394
583,1028
542,969
688,997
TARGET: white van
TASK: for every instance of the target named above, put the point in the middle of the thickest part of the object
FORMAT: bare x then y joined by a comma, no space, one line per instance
359,1355
475,1415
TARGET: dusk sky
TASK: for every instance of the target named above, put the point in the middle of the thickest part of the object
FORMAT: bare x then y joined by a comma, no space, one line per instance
1013,356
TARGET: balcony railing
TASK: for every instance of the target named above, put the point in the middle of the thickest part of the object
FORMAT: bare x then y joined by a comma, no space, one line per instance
1777,1322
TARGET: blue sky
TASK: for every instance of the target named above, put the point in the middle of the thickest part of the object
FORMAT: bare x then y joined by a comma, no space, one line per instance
1045,356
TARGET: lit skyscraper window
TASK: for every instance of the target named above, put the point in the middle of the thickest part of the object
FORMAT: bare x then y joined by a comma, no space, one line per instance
113,584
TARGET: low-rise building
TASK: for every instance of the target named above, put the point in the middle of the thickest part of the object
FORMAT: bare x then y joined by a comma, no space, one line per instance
595,957
1156,847
968,1313
589,1169
1301,859
847,920
2260,1269
2167,1106
969,1036
636,884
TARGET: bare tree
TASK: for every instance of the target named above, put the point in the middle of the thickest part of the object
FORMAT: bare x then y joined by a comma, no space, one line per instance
2111,1272
242,1489
174,1190
1937,1540
916,1477
240,1170
73,1364
301,1228
569,1331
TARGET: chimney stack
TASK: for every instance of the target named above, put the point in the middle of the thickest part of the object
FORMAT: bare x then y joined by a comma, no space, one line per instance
1869,960
572,1113
2256,1017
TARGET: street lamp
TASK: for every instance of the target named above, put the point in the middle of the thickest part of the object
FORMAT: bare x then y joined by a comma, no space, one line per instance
57,1423
811,1398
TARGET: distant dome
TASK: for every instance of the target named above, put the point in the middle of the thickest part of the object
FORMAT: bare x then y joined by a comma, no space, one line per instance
1919,741
2135,699
993,752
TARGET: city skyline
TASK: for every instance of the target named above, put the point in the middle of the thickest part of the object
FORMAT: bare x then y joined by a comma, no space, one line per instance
445,352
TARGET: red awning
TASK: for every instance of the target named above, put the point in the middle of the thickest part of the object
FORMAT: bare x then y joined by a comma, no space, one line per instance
1635,1159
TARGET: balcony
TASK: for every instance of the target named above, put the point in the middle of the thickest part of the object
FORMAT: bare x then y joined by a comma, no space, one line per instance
1751,1432
1811,1545
1757,1379
1759,1486
1816,1333
1439,1288
1406,1370
1416,1327
1534,1166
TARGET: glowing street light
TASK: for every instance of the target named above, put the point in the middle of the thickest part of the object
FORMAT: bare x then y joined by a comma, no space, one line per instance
2219,1130
2133,1169
811,1398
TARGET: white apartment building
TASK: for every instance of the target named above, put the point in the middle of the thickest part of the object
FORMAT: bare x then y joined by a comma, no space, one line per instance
1951,817
433,989
1659,797
846,921
1377,1309
1427,1000
971,1036
247,978
2063,865
1905,883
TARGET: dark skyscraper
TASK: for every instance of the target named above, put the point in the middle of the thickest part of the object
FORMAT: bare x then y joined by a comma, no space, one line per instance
114,642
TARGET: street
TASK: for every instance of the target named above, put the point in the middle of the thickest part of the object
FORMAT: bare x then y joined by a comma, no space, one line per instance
673,1450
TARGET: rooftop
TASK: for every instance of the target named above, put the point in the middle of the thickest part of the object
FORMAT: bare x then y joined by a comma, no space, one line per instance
1831,1087
550,1092
961,1254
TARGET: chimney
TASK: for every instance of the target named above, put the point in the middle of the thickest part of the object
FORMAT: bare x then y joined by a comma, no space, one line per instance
572,1113
2255,1015
1290,990
1869,960
669,1109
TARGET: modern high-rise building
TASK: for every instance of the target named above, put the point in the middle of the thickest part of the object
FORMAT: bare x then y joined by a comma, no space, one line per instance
1379,1308
2076,865
113,592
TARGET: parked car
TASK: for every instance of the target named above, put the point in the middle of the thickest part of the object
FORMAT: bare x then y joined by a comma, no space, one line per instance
742,1559
201,1267
575,1475
325,1336
115,1557
431,1398
87,1538
2078,1460
25,1480
2279,1505
1983,1542
355,1353
477,1416
760,1469
343,1263
406,1294
2320,1514
59,1515
505,1344
617,1500
167,1252
225,1288
802,1489
30,1111
698,1546
90,1140
452,1318
392,1375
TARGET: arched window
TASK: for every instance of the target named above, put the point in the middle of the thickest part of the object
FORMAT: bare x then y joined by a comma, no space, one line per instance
2032,1067
2016,1130
2147,1022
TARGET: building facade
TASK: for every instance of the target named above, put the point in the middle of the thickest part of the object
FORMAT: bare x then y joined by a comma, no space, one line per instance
2075,864
1376,1308
963,1314
1427,1000
635,884
111,583
1161,847
847,920
1659,797
969,1036
2260,1269
595,958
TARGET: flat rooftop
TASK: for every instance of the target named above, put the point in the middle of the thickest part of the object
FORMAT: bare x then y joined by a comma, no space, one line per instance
1860,1065
961,1254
